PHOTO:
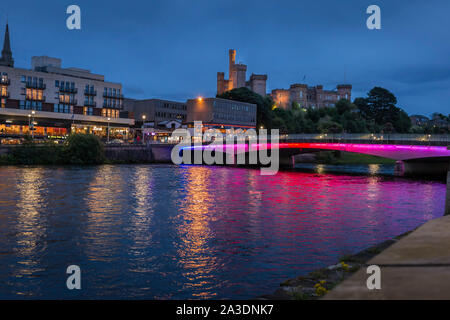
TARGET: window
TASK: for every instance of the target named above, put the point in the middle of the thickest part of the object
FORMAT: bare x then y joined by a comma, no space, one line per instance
57,83
88,111
62,108
23,79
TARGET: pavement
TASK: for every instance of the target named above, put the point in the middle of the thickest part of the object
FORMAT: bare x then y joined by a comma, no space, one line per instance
415,268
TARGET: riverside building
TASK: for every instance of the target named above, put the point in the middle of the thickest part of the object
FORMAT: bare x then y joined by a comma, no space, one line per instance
53,101
221,114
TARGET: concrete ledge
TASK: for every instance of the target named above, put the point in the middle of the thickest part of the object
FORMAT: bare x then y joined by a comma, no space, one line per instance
416,267
397,283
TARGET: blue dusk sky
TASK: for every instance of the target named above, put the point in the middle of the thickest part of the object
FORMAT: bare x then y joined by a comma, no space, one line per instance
172,49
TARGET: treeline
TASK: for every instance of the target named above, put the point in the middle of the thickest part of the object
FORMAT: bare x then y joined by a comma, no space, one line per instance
79,149
376,113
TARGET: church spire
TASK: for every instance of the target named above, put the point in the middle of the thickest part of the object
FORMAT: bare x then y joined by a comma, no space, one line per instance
7,59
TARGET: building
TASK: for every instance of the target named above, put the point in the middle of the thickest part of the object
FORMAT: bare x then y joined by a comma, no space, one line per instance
221,113
237,75
419,120
53,101
310,97
155,119
156,110
439,121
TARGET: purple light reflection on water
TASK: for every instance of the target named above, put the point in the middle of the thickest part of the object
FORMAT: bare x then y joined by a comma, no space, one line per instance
167,232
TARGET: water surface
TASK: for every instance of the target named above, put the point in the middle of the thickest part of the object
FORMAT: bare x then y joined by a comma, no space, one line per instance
168,232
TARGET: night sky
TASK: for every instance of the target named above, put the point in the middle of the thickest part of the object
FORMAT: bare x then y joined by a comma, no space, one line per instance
172,49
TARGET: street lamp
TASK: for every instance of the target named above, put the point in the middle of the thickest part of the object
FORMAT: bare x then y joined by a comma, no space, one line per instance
143,120
108,129
32,122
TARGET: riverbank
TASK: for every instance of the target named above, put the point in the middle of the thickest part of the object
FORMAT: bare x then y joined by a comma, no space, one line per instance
316,284
83,150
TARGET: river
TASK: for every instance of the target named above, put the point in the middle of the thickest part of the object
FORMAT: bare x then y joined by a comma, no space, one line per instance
193,232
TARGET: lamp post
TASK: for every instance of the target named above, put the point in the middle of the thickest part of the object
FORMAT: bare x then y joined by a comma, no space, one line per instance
108,130
143,121
32,122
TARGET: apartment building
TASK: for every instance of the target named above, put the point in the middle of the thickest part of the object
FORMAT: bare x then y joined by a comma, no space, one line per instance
53,101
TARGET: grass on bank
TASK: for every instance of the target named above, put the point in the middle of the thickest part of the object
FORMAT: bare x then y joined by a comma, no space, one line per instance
342,157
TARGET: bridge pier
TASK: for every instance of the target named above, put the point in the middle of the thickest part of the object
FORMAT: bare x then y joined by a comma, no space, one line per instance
287,162
447,196
415,168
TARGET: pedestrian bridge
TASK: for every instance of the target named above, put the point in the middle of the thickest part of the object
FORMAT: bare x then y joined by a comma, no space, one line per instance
400,147
414,151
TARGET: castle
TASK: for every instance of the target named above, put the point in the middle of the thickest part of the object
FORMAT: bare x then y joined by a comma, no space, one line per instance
302,94
237,78
310,97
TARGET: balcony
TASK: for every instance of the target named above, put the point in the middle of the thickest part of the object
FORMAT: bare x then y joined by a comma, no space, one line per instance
111,95
111,106
5,82
68,90
90,92
31,85
71,102
42,98
90,103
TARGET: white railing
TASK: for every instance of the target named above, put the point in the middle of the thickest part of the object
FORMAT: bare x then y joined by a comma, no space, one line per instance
372,137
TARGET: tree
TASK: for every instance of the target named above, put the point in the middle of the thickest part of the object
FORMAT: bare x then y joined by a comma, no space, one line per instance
380,108
84,149
343,106
295,105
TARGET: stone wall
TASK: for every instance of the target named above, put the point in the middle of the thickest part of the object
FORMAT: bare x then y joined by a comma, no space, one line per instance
139,153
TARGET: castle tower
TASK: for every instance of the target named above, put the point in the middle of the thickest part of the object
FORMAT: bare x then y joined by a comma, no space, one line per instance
345,91
231,61
237,75
7,59
299,93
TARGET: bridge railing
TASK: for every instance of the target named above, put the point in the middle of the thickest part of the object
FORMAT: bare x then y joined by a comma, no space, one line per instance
376,138
373,138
